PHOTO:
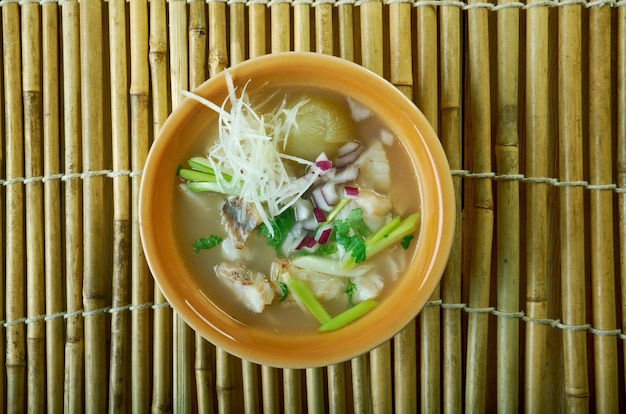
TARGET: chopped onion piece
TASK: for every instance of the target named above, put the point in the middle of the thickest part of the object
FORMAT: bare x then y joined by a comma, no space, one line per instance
320,217
359,112
324,235
352,192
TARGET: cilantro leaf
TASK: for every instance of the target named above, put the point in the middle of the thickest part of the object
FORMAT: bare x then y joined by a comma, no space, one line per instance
284,289
206,243
355,220
354,244
350,291
406,241
281,225
326,249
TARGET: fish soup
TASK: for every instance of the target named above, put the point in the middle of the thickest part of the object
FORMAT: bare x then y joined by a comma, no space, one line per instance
319,222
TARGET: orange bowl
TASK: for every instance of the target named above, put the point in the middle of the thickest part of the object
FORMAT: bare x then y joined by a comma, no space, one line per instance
435,201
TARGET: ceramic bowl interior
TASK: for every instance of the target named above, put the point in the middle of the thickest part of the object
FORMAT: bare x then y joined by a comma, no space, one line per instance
190,121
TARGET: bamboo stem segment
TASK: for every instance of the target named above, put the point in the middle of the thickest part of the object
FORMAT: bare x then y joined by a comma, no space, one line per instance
14,284
119,358
33,167
601,209
482,220
74,345
508,213
52,207
450,134
536,234
571,208
94,279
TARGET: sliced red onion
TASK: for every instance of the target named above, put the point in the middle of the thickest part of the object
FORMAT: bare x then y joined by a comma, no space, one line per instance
324,235
318,199
310,224
352,192
307,241
348,153
324,165
329,191
302,209
320,217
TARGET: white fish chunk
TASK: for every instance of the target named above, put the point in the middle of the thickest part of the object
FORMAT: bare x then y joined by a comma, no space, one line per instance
367,287
239,219
374,169
251,288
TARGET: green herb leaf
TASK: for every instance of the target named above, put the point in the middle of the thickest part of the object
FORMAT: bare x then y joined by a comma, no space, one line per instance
281,225
406,241
350,291
353,244
284,289
355,220
206,243
326,250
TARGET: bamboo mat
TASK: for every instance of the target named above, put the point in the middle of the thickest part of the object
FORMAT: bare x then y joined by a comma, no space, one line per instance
529,100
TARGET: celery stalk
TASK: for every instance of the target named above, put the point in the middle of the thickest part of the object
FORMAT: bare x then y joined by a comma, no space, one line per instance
194,175
348,316
302,291
408,226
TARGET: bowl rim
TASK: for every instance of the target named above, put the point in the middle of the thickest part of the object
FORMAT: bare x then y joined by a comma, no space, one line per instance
325,353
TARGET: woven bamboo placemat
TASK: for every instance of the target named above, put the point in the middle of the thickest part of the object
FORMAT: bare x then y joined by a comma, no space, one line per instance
529,100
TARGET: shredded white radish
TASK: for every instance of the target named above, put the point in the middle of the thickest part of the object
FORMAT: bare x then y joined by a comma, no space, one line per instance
247,148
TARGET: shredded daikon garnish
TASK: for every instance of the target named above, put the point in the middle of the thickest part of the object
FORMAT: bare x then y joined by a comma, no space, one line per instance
247,149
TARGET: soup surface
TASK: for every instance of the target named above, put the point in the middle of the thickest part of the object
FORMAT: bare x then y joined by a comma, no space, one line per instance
383,190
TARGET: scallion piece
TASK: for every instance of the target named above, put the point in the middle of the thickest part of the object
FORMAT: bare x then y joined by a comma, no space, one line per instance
308,299
348,316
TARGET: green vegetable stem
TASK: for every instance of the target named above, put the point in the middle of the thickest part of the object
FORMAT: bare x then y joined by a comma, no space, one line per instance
348,316
302,291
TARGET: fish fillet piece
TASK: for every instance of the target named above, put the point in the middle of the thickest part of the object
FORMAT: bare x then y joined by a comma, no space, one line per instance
239,219
251,287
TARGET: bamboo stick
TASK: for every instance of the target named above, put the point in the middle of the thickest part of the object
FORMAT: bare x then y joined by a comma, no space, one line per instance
405,363
250,386
197,74
572,208
450,135
3,382
218,50
224,383
94,279
380,372
315,390
371,18
621,158
205,383
140,280
280,12
508,212
482,208
256,29
292,391
119,355
427,101
324,28
301,26
237,32
401,75
601,210
183,334
400,46
536,234
345,31
162,335
269,378
197,43
52,206
14,284
361,390
33,167
337,389
74,345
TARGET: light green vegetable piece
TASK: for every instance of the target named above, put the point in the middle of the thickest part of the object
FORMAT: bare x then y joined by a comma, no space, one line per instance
348,316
